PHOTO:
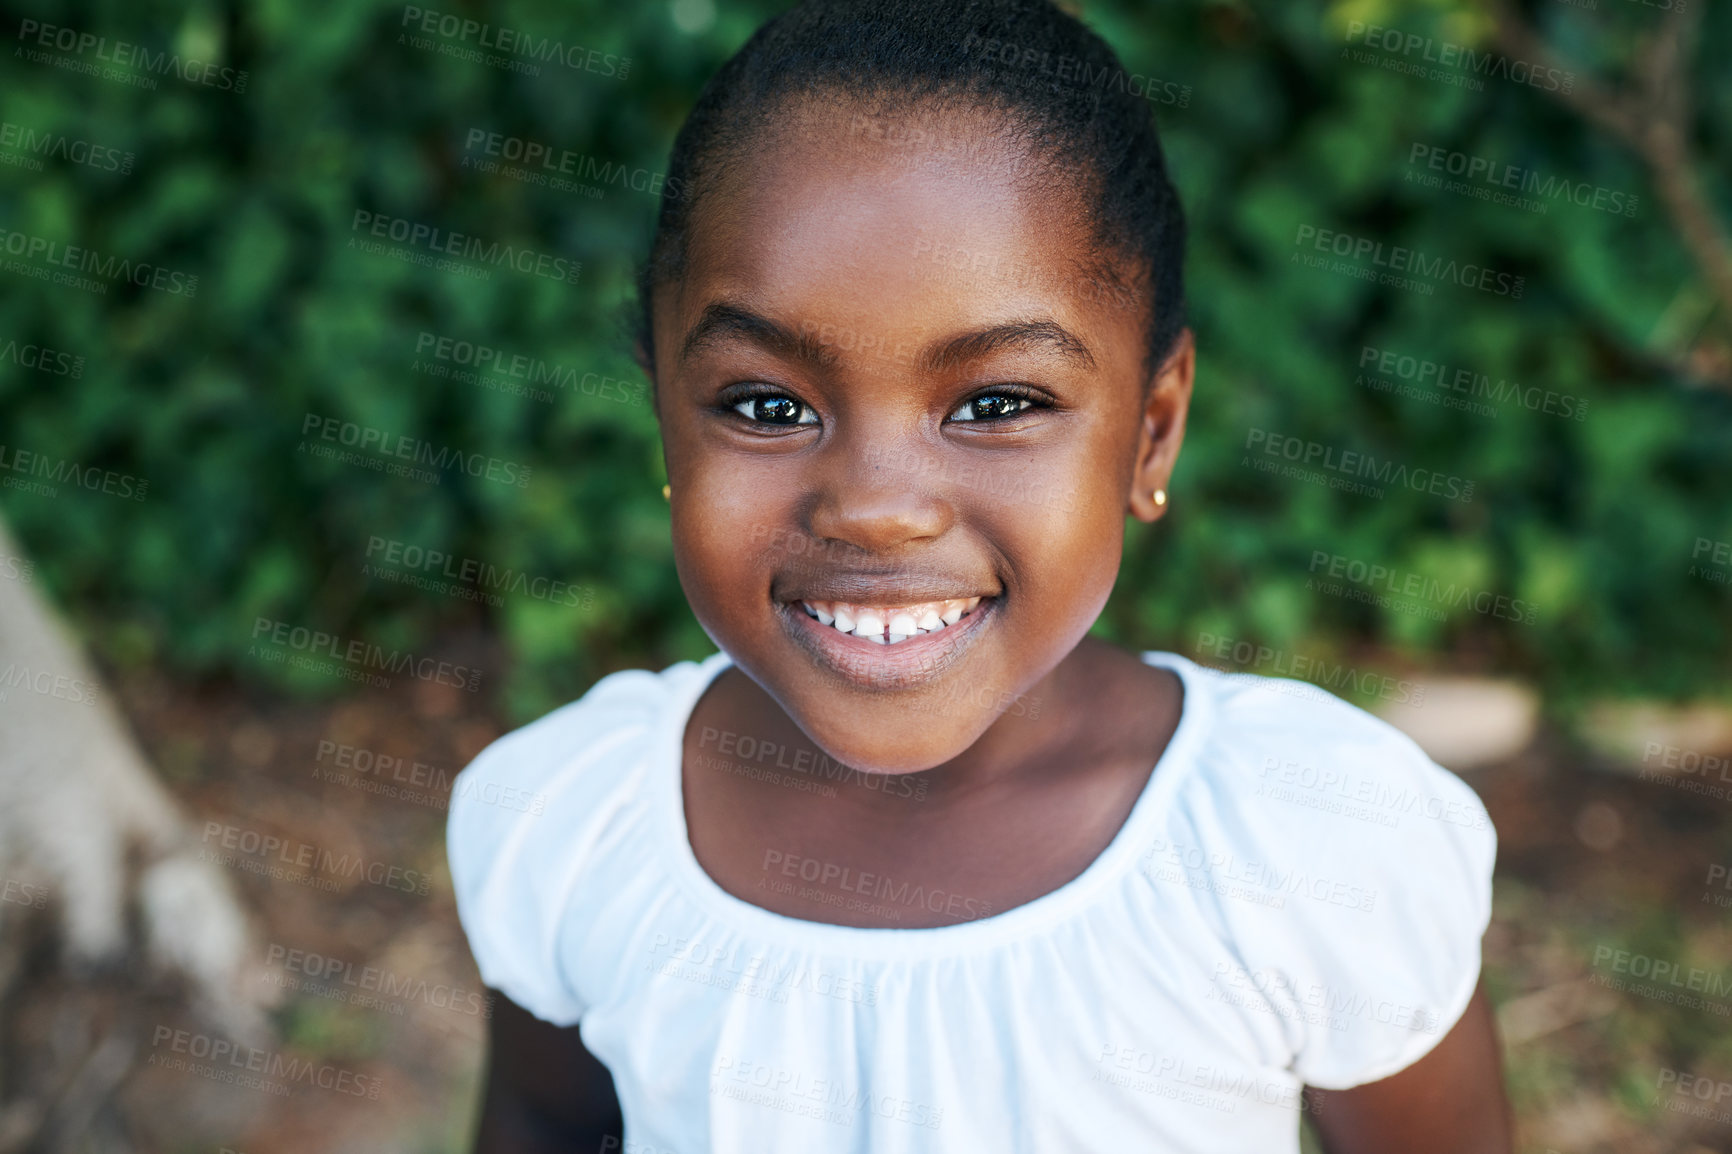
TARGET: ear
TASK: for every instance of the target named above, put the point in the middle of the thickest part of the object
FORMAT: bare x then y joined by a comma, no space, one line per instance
1163,429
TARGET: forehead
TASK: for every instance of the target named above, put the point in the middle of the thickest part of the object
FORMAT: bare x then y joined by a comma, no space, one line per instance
931,209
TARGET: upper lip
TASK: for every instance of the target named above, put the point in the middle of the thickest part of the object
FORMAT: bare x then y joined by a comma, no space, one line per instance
884,589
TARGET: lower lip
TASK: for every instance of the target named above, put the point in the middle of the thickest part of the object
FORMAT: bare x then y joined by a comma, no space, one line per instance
905,665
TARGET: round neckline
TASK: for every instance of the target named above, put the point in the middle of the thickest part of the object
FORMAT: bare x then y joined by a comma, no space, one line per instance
1133,836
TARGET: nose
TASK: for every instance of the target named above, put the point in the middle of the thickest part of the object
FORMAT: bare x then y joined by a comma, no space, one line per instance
880,494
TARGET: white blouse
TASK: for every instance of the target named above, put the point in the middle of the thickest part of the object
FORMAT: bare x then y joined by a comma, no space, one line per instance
1297,897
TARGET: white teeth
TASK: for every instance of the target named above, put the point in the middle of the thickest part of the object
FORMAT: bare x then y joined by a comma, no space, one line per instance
890,626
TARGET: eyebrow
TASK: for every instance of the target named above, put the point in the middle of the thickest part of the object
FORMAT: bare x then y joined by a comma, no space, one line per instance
1034,336
721,321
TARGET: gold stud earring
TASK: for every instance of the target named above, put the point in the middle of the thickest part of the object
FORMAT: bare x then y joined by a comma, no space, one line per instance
1160,496
667,493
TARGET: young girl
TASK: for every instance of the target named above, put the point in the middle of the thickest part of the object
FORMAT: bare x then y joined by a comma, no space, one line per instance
913,864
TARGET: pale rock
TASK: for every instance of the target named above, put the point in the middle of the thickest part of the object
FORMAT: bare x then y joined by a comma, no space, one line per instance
78,802
1633,735
1467,722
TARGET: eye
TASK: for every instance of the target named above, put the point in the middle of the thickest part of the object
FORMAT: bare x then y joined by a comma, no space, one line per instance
1001,402
773,408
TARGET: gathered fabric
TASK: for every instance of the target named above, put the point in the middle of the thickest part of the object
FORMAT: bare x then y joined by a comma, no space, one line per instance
1296,898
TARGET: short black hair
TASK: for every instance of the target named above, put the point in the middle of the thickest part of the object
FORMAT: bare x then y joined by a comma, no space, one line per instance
1053,80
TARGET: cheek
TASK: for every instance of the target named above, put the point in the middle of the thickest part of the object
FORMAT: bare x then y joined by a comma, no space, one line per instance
730,532
1062,528
1071,558
710,554
1078,531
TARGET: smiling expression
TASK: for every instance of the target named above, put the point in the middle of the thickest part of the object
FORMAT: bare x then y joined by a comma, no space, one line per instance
893,396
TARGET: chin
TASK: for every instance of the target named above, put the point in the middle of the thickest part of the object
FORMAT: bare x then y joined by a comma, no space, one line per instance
868,752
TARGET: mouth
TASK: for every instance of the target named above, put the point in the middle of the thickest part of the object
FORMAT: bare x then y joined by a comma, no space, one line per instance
890,624
888,647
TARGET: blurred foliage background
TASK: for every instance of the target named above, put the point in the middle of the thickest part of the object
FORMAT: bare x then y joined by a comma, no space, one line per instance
1275,117
1592,521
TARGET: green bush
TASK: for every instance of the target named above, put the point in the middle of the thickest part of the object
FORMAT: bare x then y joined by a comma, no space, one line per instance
1270,128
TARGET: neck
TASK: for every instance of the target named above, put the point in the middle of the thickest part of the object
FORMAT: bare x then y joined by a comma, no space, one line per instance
1036,730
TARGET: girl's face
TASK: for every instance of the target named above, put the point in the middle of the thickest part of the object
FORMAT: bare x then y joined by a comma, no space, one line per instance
888,379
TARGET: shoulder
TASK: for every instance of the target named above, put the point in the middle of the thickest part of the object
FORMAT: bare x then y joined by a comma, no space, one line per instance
1347,869
581,744
1290,758
617,703
536,806
1284,710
